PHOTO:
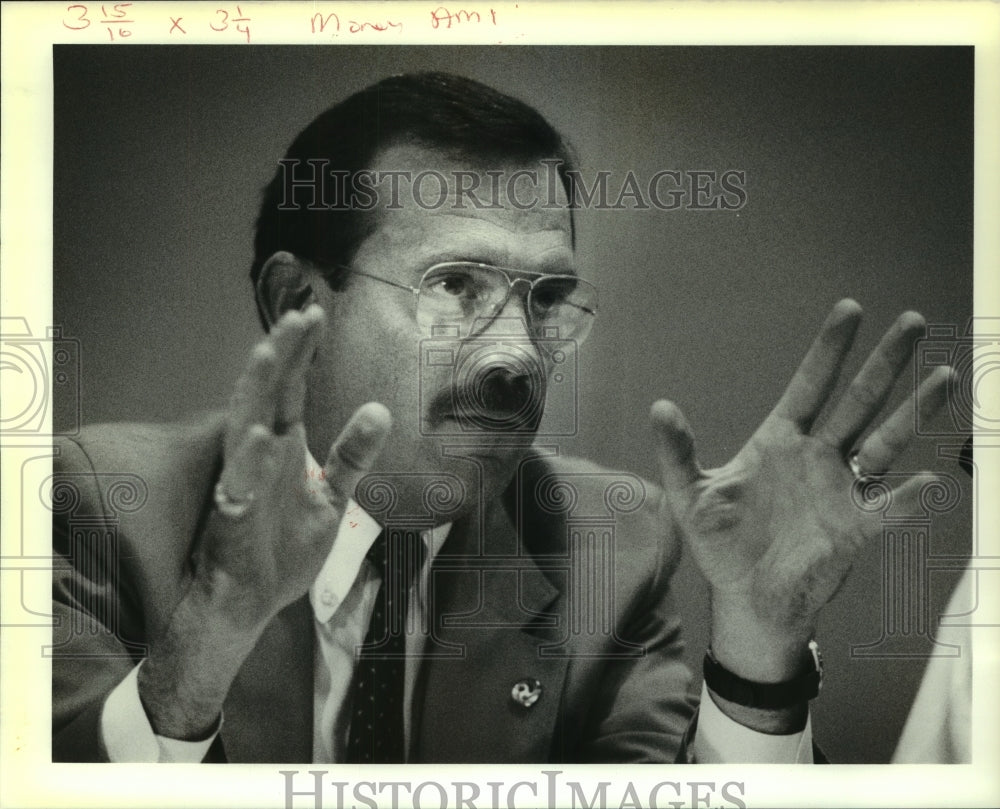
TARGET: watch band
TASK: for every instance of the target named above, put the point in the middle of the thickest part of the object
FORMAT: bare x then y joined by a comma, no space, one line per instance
769,696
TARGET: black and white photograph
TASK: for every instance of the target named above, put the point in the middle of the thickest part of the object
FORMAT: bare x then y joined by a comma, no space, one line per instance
537,405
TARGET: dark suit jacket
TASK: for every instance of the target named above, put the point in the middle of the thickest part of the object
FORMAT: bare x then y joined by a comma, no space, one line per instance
564,580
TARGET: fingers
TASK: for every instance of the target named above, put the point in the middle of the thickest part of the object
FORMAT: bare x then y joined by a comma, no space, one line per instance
869,390
240,480
881,448
819,371
354,452
271,391
674,446
248,407
303,339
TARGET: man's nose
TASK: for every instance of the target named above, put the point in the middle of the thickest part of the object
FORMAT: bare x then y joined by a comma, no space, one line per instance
510,318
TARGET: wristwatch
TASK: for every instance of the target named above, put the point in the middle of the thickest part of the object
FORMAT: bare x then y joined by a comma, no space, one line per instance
769,696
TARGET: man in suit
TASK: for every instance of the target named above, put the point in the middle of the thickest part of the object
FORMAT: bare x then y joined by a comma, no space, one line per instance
369,558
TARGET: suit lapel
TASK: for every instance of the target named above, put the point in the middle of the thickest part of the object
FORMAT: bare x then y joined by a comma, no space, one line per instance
493,608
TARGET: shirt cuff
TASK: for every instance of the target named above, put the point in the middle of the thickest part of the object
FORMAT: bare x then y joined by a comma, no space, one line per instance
720,739
128,736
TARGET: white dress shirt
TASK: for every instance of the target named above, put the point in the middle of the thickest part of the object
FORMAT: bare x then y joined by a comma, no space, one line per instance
938,729
342,599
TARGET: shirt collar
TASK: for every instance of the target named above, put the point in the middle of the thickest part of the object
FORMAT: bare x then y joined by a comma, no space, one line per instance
357,532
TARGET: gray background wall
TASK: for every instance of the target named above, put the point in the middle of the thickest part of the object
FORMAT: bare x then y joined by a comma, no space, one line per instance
859,179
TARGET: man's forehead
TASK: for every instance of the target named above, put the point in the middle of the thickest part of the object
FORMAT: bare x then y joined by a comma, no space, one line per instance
422,179
432,207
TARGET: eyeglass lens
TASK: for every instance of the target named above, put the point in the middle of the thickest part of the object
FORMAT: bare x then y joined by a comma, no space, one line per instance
461,294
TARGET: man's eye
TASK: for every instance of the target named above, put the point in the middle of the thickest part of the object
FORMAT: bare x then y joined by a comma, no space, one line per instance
551,294
455,285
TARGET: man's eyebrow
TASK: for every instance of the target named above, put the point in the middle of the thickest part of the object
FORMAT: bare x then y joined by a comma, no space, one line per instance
485,256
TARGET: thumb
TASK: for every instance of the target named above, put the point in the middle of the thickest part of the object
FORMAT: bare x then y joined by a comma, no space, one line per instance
674,446
357,447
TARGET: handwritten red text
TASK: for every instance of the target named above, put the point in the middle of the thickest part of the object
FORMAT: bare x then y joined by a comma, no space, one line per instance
320,22
442,17
223,19
115,21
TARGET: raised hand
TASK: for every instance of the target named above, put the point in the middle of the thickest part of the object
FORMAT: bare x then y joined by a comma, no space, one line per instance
277,511
275,519
776,530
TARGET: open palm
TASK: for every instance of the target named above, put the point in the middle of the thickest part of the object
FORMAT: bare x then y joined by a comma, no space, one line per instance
776,529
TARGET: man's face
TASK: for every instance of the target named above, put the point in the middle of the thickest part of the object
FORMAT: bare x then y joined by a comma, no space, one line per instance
374,349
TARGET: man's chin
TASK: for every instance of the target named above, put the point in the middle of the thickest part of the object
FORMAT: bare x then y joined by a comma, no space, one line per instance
448,481
490,458
495,453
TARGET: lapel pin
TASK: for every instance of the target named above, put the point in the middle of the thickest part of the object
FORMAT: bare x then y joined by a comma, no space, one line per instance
526,692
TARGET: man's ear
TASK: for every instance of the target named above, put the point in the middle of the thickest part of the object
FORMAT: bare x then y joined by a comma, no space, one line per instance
284,284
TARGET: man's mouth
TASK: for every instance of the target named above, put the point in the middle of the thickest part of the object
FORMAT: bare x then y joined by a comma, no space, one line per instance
493,400
474,417
482,419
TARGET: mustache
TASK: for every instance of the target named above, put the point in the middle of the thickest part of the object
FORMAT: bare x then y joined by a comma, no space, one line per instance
495,398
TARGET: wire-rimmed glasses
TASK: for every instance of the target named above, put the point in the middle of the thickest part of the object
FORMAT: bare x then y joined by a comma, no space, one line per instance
471,295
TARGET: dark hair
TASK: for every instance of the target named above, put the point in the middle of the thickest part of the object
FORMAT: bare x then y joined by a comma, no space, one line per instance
461,117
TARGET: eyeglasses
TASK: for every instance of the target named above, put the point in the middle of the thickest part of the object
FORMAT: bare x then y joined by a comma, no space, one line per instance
470,296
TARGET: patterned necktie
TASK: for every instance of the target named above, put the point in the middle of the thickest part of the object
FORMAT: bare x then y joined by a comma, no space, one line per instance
376,730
